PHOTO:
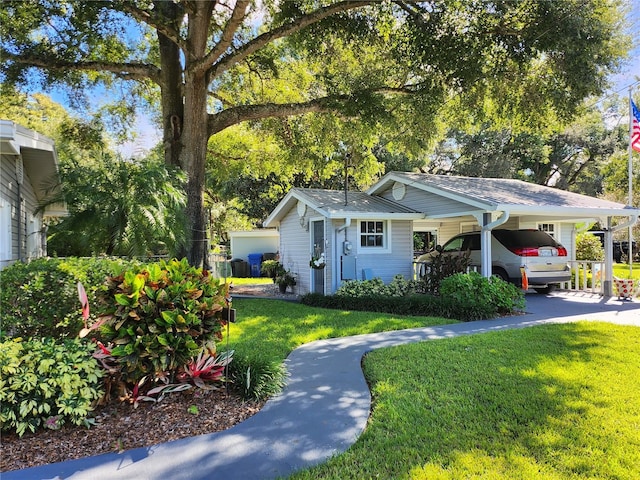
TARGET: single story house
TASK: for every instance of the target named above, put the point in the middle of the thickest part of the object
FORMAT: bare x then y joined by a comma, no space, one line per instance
28,163
370,234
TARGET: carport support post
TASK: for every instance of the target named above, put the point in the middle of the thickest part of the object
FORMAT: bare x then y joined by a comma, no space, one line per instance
485,245
608,259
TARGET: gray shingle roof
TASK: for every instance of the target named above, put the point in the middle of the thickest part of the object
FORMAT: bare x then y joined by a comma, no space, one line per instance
501,191
332,201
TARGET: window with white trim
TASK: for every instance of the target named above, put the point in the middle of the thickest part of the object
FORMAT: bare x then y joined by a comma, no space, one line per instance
373,234
550,228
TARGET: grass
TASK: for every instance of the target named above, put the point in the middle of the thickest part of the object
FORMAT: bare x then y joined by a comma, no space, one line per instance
550,402
277,327
621,270
250,280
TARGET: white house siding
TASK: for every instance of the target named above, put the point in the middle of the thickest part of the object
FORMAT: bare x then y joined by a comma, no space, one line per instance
566,238
385,265
451,227
21,229
244,243
8,201
426,202
294,249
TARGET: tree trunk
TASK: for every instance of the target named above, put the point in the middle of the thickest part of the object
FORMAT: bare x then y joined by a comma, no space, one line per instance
195,135
171,87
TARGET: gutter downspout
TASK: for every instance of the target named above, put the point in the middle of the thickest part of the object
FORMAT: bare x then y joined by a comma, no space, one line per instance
632,220
485,239
19,215
336,249
608,252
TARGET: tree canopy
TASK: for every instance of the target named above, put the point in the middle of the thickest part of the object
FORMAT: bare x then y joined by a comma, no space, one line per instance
396,66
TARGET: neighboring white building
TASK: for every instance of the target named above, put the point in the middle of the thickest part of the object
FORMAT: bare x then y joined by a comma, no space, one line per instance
246,242
371,234
28,166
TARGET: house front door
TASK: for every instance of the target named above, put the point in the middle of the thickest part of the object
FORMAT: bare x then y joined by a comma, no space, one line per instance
317,243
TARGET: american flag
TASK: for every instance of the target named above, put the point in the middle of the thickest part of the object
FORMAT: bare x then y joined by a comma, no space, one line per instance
635,128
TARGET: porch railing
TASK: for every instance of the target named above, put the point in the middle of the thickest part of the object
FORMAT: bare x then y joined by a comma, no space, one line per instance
586,276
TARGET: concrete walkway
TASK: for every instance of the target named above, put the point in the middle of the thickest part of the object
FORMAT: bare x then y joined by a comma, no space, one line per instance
320,413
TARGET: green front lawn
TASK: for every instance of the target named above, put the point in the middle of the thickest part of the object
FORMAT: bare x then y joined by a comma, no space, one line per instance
250,280
550,402
277,327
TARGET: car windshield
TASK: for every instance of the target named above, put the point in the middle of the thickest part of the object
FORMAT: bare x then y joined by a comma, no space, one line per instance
453,245
524,238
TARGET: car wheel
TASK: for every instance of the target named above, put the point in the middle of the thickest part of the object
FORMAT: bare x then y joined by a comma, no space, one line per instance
501,274
544,290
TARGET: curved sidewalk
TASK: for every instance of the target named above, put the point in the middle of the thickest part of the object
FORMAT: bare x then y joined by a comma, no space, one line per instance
321,412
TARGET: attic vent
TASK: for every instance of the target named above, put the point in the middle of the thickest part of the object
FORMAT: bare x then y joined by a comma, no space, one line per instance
399,190
19,170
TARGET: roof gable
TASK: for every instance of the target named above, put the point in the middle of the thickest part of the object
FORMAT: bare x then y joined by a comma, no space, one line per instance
498,194
331,204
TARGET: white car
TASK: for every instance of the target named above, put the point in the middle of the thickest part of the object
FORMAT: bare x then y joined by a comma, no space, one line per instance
544,259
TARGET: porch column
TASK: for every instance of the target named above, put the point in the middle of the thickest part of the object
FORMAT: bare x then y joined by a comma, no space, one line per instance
608,259
485,245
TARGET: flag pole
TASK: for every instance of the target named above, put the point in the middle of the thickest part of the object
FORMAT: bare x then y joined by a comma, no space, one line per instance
630,173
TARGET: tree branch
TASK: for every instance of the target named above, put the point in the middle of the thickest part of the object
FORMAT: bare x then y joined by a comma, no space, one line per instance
236,19
294,26
153,21
125,71
234,115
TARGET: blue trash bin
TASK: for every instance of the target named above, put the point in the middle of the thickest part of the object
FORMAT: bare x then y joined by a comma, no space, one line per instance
255,262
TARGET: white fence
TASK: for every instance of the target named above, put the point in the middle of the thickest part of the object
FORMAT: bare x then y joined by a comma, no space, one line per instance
586,276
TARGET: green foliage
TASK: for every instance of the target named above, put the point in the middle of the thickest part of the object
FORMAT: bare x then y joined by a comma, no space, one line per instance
272,269
441,267
255,375
390,64
40,298
418,304
159,316
588,247
118,207
398,287
463,297
286,279
585,278
46,382
472,296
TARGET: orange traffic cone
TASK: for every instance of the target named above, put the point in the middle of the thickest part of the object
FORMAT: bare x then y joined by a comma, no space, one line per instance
525,281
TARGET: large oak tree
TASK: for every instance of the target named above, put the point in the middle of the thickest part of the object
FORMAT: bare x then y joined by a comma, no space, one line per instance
394,61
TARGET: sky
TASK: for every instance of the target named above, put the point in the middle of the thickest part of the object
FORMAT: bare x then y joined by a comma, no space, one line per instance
630,74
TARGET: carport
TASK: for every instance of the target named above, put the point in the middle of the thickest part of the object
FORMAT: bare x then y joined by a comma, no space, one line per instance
450,202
